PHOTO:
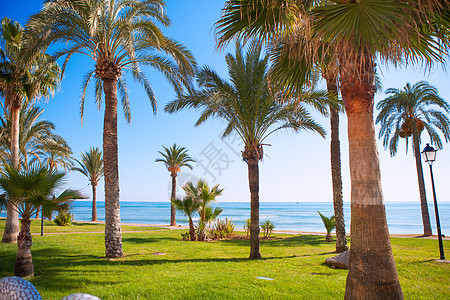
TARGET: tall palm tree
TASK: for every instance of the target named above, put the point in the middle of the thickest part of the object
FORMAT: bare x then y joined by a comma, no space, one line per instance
25,73
36,139
361,32
405,114
188,206
118,36
252,107
203,195
91,166
174,158
27,190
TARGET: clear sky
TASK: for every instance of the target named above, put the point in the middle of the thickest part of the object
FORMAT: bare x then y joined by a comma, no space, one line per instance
296,167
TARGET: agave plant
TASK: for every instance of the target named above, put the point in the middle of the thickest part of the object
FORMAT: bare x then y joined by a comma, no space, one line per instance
329,224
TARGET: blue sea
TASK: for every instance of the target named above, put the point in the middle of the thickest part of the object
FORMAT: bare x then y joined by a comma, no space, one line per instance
402,217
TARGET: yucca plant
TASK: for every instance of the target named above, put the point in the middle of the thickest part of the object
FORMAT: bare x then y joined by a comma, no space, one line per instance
267,226
247,226
329,224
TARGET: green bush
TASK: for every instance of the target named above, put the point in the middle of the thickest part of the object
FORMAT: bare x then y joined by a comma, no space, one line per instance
221,229
64,219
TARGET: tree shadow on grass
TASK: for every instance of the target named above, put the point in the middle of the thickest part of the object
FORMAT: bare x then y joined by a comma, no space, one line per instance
294,241
144,240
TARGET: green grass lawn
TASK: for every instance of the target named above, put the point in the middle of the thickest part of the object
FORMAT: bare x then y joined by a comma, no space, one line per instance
71,263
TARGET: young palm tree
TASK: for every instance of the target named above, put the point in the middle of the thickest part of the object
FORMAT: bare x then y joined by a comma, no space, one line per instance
405,114
188,206
25,73
329,224
91,166
27,190
174,158
360,31
253,108
119,36
203,195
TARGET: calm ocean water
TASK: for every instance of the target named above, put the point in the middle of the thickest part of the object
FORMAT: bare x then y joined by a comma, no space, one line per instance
402,217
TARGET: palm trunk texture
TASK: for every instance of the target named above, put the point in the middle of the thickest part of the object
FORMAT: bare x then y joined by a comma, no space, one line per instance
173,220
94,202
113,232
372,272
336,177
12,217
253,180
24,262
423,195
191,229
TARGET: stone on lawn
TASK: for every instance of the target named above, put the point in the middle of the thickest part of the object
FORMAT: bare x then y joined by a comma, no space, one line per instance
339,261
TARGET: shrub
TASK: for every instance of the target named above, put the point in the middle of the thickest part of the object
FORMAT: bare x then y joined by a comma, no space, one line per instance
64,219
221,229
186,236
267,226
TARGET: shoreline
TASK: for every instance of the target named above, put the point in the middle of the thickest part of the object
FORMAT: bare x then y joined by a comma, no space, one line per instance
294,232
280,231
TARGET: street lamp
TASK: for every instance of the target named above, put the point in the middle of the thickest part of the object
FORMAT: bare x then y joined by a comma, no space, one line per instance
429,155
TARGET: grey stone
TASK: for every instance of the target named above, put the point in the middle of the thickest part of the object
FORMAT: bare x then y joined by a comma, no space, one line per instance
17,288
339,261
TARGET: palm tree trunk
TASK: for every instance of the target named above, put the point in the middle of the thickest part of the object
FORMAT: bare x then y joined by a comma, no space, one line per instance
12,217
24,262
173,221
253,180
113,234
94,202
423,195
191,229
372,272
336,177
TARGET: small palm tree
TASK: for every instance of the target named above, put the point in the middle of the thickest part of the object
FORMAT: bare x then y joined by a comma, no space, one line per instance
329,224
25,73
91,166
174,158
188,206
254,108
204,195
406,113
27,190
119,36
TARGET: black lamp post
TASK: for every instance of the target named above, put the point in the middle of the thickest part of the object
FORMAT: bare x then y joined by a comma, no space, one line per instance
429,155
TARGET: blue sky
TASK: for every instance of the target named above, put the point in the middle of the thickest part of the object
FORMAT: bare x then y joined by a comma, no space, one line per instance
296,167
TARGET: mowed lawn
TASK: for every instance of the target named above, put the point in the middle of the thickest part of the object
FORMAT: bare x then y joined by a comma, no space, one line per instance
72,262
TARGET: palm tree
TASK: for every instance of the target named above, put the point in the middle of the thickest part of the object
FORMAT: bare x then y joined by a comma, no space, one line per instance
360,31
252,107
36,139
203,195
91,166
405,114
329,224
188,206
174,158
118,36
25,73
27,190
